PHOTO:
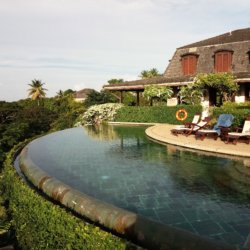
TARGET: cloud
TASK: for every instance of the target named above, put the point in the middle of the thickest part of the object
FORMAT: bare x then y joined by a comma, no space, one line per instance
71,43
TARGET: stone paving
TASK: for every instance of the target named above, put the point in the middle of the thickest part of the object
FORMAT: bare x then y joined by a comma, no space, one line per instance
162,133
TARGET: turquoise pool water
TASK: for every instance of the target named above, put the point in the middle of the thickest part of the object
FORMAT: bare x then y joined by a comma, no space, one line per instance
205,194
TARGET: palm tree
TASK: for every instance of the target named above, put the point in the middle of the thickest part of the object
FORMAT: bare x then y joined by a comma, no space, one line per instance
60,94
37,91
149,73
115,81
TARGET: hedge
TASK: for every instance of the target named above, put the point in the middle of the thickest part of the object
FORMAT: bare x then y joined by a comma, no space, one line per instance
239,111
41,224
155,114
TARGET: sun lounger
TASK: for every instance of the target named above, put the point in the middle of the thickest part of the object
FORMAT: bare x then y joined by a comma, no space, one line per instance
195,120
192,129
221,128
243,136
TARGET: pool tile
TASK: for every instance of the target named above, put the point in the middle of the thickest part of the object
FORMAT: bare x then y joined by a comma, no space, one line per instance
185,226
170,217
195,215
233,238
242,229
207,227
148,201
227,227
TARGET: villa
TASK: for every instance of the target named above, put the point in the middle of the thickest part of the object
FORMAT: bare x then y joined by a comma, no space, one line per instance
229,52
81,95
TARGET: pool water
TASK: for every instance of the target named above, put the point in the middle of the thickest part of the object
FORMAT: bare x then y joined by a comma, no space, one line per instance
205,194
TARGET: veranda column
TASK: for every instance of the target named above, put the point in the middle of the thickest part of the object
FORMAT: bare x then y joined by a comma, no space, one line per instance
121,96
137,98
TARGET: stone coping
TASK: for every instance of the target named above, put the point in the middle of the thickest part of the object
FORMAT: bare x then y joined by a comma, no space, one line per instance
162,133
133,123
142,231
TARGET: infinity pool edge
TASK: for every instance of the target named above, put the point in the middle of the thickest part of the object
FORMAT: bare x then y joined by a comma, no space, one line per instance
142,230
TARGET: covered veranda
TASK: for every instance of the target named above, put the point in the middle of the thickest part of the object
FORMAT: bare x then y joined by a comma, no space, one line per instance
138,86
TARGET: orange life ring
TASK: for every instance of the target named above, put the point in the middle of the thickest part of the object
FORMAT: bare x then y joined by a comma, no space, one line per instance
181,114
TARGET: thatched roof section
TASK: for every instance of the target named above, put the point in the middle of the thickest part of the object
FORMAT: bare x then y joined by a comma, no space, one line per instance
140,84
83,93
242,76
230,37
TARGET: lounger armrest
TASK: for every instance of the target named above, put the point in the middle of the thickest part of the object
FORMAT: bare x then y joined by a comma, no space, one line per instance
189,124
224,128
195,126
238,129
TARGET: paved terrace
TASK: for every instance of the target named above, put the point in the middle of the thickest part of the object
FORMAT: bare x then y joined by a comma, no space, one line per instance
162,133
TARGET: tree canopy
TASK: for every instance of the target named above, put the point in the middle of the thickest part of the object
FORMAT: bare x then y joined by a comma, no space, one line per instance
95,97
115,81
149,73
156,92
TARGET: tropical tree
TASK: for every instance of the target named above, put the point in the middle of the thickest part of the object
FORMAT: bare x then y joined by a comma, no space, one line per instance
37,91
149,73
95,97
190,95
59,94
156,92
115,81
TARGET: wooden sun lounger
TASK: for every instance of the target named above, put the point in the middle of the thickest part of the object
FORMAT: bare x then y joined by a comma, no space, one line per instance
243,136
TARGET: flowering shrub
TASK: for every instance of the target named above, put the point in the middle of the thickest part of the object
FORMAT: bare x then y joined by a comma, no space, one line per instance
98,113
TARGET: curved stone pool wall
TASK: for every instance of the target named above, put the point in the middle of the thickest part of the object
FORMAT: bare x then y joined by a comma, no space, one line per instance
141,230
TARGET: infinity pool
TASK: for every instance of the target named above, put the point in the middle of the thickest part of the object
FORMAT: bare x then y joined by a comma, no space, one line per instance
205,194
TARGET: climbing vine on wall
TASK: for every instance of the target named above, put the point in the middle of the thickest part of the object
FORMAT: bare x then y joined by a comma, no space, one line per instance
224,83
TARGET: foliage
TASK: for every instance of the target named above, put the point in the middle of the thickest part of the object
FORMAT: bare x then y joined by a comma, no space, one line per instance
25,119
156,92
149,73
224,83
115,81
155,114
102,97
190,94
8,111
23,123
40,224
37,91
239,111
99,113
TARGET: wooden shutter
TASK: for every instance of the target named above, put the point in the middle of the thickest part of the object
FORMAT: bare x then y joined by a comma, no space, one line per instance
223,61
189,63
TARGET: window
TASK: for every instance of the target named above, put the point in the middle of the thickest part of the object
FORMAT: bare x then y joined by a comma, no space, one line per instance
189,63
223,61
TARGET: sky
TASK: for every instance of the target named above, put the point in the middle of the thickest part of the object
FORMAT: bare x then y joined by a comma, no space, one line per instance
76,44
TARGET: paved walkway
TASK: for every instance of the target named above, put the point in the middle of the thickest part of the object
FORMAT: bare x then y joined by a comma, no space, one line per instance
163,134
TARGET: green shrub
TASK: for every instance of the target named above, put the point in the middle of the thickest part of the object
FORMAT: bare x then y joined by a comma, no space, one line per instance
155,114
40,224
239,111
